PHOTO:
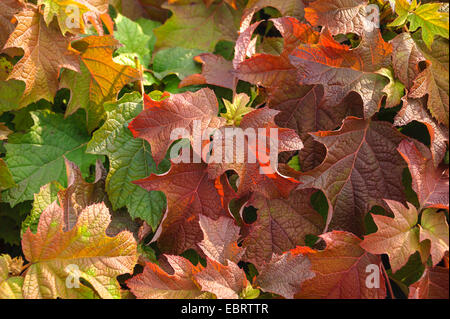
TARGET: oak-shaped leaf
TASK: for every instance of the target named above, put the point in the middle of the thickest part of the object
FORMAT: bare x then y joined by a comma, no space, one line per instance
8,8
220,239
100,79
216,70
434,80
430,183
281,225
189,112
362,167
432,285
157,283
224,281
342,70
85,252
285,274
304,109
275,71
291,8
190,193
129,159
46,51
254,155
428,16
10,281
415,110
51,139
65,11
210,24
434,227
397,237
342,270
340,16
406,57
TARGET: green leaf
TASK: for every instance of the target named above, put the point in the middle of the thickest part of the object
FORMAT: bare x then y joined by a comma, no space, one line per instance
133,39
294,163
37,157
429,17
195,25
148,26
6,179
178,61
237,109
395,89
130,160
431,20
47,195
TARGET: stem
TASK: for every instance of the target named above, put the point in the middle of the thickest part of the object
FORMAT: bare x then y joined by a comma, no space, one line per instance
388,282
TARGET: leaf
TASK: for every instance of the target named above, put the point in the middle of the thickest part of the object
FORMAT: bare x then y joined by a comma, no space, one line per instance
8,8
290,8
236,110
362,167
130,159
397,237
100,79
189,193
343,16
432,285
281,225
6,179
431,20
10,91
254,162
304,109
285,274
131,35
406,57
341,270
394,89
4,132
80,194
157,122
215,71
49,140
45,53
429,183
155,283
414,110
434,227
95,257
74,11
434,80
46,196
342,70
220,240
274,71
10,282
178,61
209,24
226,282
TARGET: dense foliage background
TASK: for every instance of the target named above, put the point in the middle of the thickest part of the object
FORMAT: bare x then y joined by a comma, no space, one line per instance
93,206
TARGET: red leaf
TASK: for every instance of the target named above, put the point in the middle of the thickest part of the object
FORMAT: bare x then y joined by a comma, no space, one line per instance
189,193
397,237
281,225
361,168
430,183
341,270
255,169
342,70
159,119
432,285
